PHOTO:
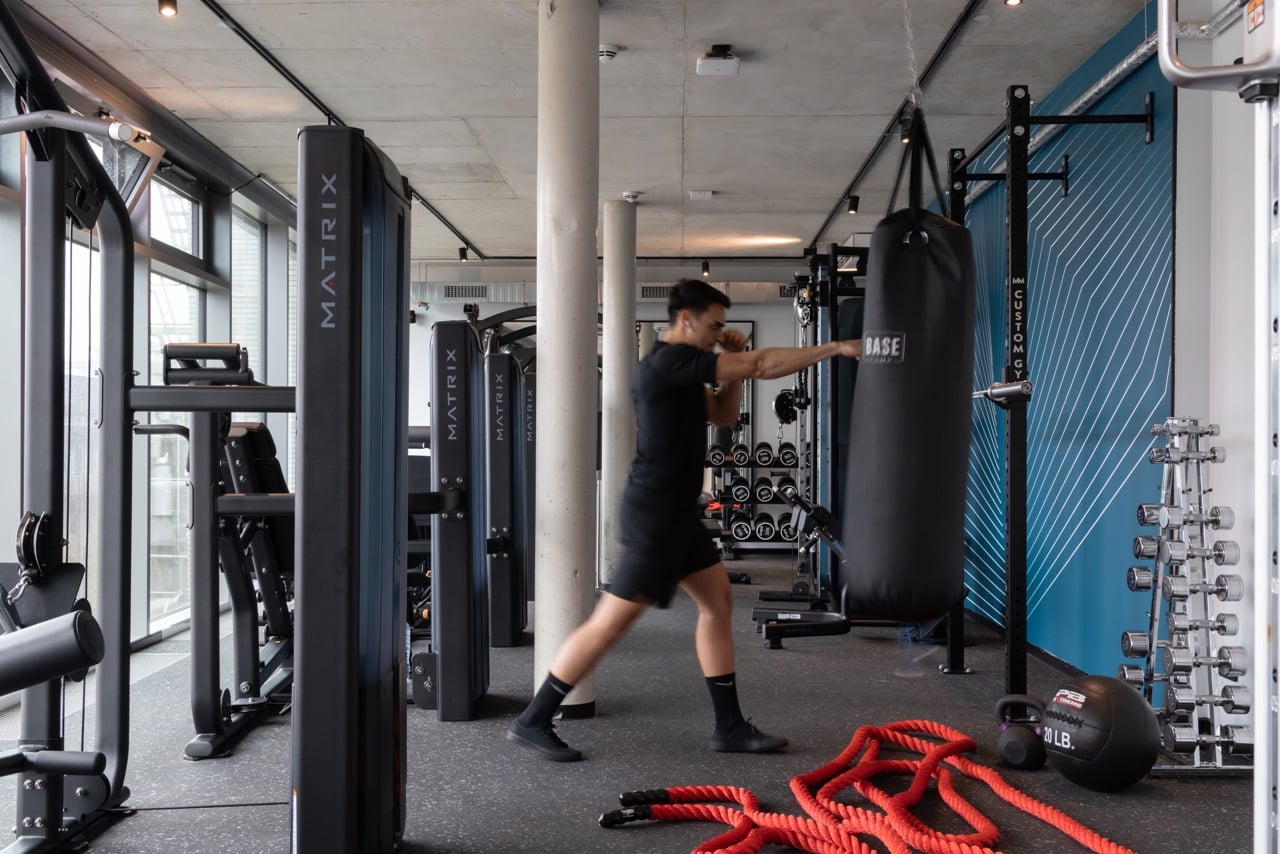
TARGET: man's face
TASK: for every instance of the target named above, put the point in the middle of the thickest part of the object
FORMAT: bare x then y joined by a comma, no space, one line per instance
706,328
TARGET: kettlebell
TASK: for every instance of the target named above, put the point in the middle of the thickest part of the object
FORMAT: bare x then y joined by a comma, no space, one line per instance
1021,742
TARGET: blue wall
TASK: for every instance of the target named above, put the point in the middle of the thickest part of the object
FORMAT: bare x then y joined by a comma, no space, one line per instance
1100,268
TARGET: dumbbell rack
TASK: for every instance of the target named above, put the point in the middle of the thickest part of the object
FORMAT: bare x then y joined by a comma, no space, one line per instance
1178,647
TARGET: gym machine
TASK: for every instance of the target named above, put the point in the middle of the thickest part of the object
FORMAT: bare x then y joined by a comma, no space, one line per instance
1256,78
348,739
61,793
1012,392
241,521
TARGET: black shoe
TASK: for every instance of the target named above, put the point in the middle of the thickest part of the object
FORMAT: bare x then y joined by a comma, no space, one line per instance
544,740
745,737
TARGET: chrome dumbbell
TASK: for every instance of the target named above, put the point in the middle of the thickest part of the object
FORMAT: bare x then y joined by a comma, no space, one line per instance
1183,427
1139,578
1231,661
1234,699
1180,455
1145,547
763,490
740,491
1181,738
1135,676
1218,518
1148,514
715,456
1223,552
787,454
764,526
1138,644
1227,588
1227,625
741,454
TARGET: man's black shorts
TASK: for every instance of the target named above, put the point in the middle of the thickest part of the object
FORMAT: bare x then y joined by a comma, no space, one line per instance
662,543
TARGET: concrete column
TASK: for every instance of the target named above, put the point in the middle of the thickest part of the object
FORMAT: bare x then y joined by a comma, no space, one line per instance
618,424
568,196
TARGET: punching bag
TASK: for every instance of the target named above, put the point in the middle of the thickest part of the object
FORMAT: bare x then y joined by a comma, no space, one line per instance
910,421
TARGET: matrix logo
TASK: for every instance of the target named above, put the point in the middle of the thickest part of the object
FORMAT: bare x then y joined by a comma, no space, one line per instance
328,257
453,431
884,348
529,420
499,407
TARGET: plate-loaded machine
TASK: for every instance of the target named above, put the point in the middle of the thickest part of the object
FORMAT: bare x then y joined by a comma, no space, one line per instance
242,520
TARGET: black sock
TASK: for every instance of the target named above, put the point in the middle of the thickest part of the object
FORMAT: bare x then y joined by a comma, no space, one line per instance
724,698
545,702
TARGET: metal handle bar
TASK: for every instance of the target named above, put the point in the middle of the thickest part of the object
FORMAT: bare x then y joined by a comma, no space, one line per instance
1227,77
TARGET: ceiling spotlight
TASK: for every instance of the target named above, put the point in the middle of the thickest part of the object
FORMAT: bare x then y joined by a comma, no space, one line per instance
706,269
168,8
462,254
1013,2
853,204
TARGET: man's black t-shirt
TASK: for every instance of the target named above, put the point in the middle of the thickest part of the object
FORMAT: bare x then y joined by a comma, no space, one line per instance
668,390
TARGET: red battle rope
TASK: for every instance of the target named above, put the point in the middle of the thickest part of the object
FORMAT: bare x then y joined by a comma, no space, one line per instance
832,827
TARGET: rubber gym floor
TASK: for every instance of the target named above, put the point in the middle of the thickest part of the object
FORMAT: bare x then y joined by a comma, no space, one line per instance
472,792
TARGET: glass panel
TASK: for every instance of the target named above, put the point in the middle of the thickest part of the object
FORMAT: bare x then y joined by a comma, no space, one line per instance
247,295
82,360
175,218
175,316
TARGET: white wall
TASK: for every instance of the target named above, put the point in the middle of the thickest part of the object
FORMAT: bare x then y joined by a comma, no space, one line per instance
1213,302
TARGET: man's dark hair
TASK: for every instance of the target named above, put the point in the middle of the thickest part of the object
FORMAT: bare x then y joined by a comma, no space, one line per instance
695,295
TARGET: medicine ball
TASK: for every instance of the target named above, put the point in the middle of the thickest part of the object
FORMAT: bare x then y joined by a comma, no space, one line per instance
1100,733
1020,744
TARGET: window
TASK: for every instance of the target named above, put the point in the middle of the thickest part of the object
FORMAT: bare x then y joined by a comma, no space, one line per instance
175,218
248,295
175,316
82,364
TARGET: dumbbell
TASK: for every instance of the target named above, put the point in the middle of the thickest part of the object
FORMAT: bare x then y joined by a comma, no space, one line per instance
740,454
764,527
1234,699
1227,588
1223,624
716,456
1181,738
1138,644
763,490
1218,518
1145,547
1139,578
1148,514
764,454
785,486
1135,676
1223,552
740,525
1179,455
1183,427
787,455
1231,661
786,529
740,491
